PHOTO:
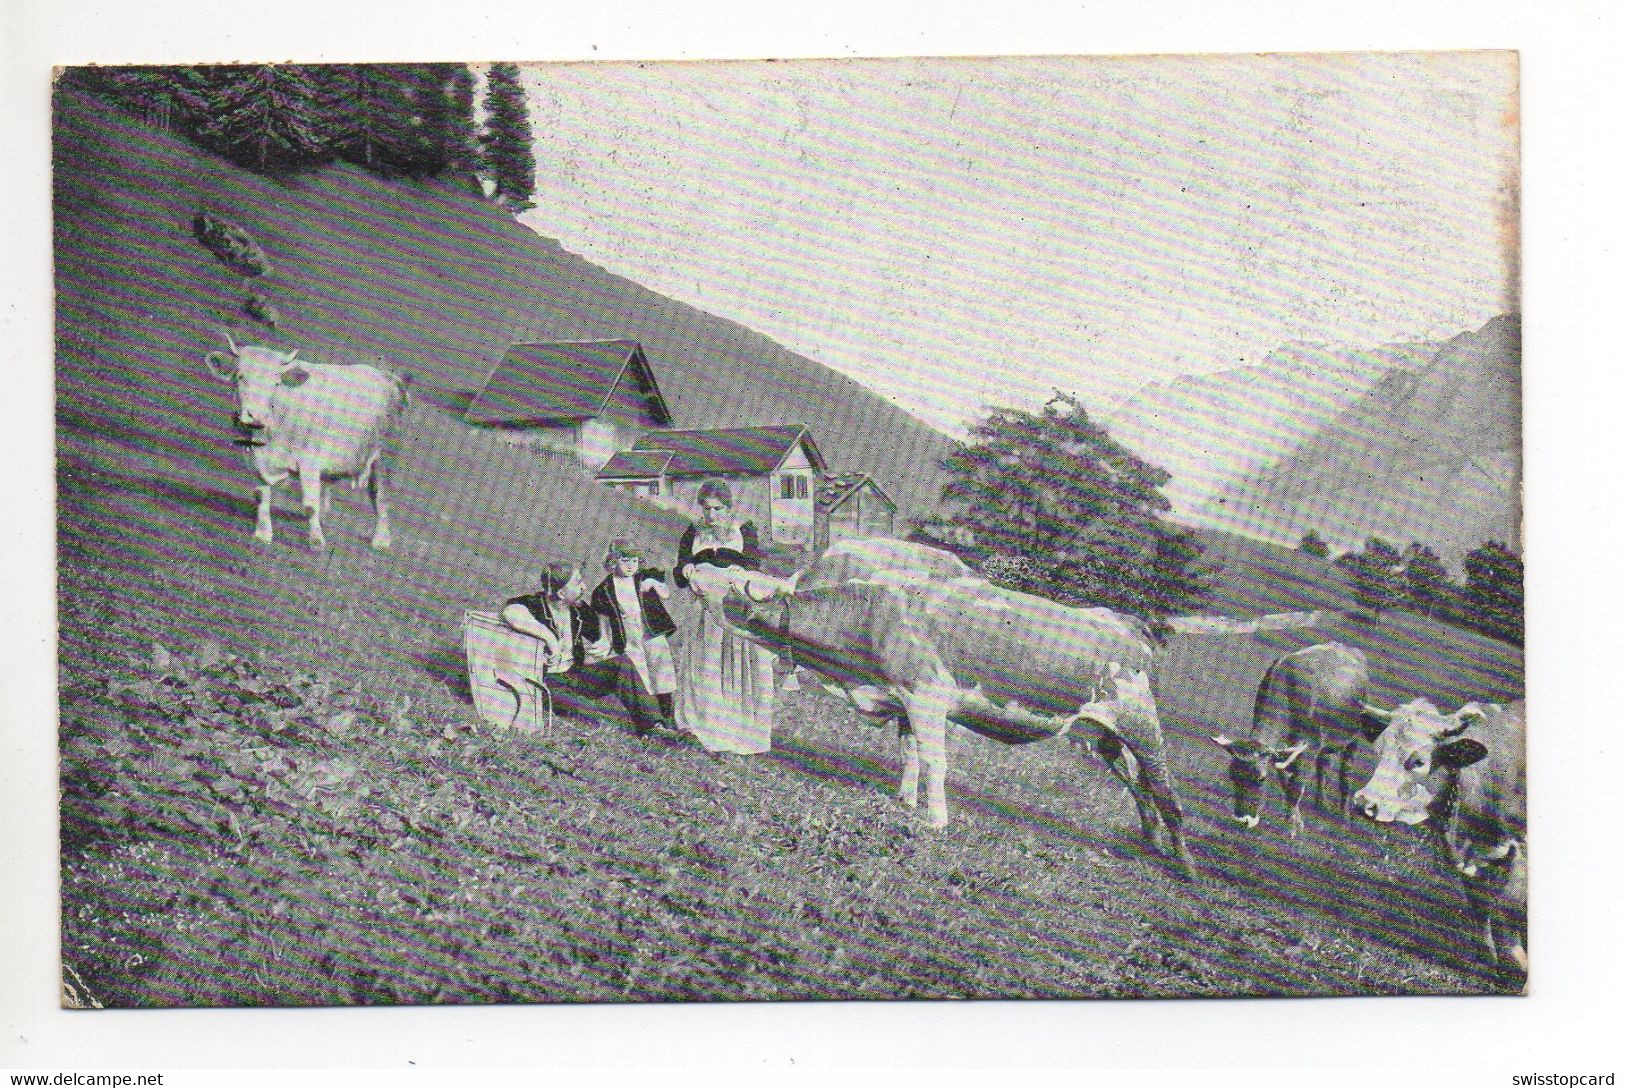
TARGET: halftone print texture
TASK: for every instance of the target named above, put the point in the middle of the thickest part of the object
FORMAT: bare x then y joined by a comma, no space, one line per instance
292,776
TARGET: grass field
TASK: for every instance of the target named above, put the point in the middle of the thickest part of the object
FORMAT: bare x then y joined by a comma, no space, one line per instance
275,790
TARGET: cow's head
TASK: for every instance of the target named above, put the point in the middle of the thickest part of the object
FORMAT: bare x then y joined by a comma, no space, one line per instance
1250,767
257,372
1417,750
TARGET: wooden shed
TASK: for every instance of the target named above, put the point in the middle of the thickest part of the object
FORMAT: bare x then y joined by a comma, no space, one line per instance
772,471
851,506
587,398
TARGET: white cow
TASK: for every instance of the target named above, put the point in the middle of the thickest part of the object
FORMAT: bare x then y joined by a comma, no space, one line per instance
316,421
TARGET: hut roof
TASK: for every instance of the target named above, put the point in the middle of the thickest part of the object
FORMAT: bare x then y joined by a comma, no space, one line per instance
736,451
561,381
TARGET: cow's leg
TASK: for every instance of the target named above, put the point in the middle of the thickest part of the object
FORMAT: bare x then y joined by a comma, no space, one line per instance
1112,750
310,487
1343,782
908,787
262,517
1141,730
1294,785
380,509
928,720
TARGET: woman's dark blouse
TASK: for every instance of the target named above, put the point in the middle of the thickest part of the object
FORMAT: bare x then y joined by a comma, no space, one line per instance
750,558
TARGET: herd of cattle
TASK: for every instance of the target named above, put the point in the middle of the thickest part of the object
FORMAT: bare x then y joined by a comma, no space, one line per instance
908,633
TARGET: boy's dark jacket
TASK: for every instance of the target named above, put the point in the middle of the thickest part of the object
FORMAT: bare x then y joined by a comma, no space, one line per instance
586,622
656,620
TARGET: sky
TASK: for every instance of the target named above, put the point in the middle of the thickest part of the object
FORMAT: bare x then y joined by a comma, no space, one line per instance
956,233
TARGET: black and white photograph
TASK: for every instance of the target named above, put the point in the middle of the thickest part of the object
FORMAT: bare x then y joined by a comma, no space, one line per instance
665,536
882,529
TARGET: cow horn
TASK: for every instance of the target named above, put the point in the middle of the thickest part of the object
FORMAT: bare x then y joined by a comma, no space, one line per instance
1222,741
233,345
1376,712
292,355
1290,756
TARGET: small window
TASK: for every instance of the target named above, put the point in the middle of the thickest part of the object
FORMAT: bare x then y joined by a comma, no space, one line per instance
787,487
801,487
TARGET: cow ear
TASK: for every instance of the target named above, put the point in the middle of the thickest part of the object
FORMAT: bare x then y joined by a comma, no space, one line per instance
221,365
1460,753
1373,720
295,376
1468,716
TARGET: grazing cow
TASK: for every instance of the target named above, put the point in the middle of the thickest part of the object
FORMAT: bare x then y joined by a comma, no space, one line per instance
1463,775
1003,664
1309,705
316,421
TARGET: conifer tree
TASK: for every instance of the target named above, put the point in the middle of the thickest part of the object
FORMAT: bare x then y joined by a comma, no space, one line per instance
507,142
267,117
1313,544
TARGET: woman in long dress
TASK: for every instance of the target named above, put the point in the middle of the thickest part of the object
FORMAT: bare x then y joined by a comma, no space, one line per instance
724,681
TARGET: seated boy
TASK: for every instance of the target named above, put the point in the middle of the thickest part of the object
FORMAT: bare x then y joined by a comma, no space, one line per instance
576,658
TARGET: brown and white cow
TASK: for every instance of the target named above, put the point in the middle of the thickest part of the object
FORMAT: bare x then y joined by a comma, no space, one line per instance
1463,775
881,559
1309,709
317,421
1003,664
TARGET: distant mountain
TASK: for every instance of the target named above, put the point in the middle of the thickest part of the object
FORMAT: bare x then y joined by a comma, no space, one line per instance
1213,431
1431,455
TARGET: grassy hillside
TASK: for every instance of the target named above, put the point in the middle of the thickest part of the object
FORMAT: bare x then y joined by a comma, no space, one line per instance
422,275
275,789
1256,578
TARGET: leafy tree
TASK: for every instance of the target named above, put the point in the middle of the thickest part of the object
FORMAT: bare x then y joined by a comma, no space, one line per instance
1493,596
507,142
1374,576
1426,579
1313,544
1071,514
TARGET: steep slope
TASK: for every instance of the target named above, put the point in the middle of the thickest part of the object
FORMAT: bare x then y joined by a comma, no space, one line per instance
423,275
1212,431
1431,456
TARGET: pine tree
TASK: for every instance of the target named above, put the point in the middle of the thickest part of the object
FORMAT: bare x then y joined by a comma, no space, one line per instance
1494,592
463,141
374,116
1068,512
169,97
267,117
445,100
508,142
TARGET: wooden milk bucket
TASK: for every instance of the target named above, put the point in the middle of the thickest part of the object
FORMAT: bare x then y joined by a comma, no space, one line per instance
505,673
